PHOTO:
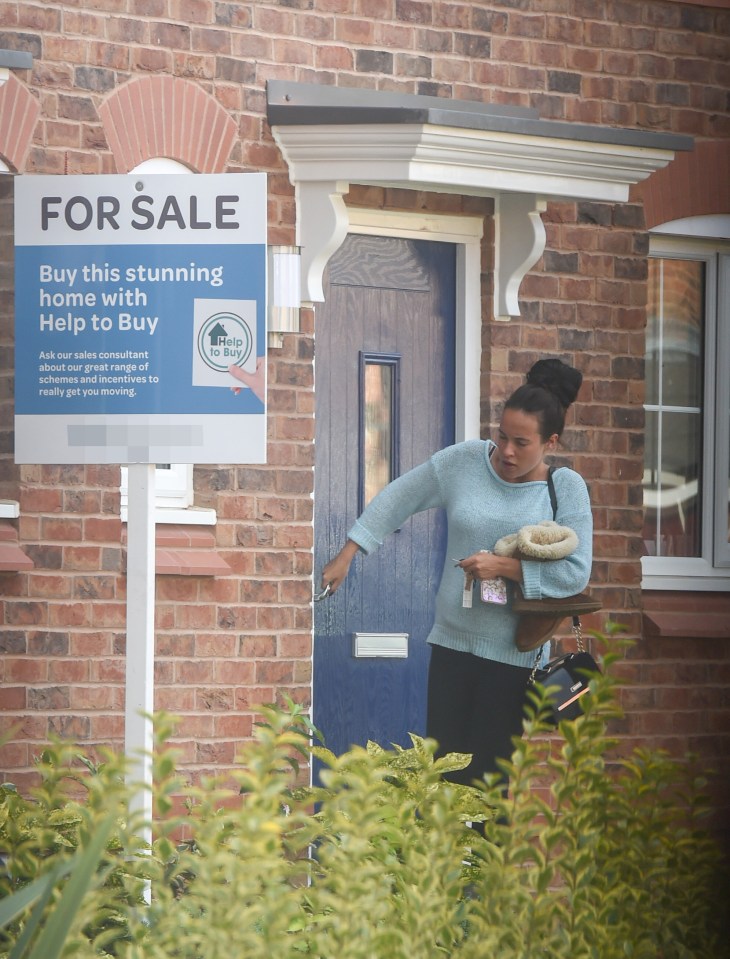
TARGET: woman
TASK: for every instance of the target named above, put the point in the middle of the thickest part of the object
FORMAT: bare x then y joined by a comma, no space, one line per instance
477,677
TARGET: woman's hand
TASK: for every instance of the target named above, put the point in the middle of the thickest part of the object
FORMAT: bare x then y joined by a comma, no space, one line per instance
256,381
334,573
484,565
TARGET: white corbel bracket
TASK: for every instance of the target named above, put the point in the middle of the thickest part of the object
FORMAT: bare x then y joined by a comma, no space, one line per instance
322,222
519,243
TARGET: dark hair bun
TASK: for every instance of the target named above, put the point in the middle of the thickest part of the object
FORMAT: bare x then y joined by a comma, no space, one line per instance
558,378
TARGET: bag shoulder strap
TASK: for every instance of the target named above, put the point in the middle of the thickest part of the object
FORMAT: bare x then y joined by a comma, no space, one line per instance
576,619
554,504
551,491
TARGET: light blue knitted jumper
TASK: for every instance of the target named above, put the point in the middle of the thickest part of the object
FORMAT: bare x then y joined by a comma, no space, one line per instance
481,508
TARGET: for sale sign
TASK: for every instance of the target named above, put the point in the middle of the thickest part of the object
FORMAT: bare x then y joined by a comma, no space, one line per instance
140,320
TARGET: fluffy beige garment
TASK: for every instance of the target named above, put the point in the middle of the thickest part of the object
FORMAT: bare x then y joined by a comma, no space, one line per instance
545,540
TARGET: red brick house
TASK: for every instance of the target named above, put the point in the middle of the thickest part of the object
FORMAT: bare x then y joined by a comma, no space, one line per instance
472,186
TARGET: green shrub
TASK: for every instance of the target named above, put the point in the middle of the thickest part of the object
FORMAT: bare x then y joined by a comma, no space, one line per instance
76,825
588,855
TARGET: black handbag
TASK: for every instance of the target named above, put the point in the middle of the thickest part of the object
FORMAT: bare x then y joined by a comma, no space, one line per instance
567,678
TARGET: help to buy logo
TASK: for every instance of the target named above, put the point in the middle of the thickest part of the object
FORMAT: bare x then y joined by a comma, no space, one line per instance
224,334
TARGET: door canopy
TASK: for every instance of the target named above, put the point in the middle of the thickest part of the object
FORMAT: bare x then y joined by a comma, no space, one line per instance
332,137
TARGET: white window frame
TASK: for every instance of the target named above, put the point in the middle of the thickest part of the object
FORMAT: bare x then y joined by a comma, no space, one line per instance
173,485
722,438
174,491
707,239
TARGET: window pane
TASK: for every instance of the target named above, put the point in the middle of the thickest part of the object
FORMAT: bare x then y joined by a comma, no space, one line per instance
650,533
676,310
378,427
652,364
672,520
727,491
674,377
722,419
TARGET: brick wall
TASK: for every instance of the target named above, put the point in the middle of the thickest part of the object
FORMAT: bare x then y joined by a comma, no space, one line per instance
227,643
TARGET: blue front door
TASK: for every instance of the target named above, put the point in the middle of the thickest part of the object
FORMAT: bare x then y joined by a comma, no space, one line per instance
384,367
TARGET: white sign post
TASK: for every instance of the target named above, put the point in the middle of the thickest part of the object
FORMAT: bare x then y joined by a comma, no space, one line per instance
140,649
140,338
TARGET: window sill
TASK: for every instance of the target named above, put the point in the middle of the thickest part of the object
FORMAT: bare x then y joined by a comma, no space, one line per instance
12,557
179,516
687,615
690,575
187,552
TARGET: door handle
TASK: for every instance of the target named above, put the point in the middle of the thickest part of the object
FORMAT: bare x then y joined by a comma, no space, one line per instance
323,593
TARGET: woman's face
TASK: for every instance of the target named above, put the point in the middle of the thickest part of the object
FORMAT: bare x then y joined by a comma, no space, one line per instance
520,448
